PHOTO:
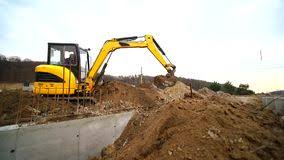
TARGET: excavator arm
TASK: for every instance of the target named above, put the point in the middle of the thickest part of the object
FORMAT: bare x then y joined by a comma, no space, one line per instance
128,42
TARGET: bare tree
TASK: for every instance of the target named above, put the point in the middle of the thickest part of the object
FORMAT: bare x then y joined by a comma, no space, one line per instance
14,59
27,60
3,58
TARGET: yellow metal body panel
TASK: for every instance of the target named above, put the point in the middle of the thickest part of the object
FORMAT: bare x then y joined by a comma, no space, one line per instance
67,87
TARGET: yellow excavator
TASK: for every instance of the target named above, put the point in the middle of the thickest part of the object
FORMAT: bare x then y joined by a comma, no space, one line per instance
68,70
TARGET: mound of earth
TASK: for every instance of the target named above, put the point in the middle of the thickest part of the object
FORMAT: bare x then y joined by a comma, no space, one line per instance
20,107
211,128
206,91
178,91
112,97
119,95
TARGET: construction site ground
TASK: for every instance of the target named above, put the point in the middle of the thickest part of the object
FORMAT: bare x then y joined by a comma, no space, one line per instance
169,123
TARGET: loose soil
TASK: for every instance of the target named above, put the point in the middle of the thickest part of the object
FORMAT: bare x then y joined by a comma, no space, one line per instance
17,106
170,123
120,95
22,107
212,126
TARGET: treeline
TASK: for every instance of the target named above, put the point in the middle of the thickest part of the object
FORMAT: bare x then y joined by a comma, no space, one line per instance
228,87
17,72
196,84
3,58
13,69
280,92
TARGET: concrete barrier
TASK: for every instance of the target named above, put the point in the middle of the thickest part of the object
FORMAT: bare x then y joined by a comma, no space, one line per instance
276,104
75,139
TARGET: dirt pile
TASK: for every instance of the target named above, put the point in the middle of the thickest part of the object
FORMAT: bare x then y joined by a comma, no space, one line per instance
178,91
209,128
21,107
168,124
112,97
118,94
206,91
221,96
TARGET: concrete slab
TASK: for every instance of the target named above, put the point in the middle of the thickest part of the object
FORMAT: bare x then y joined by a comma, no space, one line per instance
276,104
8,144
75,139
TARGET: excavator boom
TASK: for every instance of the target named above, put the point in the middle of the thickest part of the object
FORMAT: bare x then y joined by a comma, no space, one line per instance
128,42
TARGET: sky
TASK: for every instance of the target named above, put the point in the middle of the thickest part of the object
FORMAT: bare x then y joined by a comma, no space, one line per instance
209,40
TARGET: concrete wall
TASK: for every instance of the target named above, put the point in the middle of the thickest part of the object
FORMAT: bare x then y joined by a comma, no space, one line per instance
277,106
75,140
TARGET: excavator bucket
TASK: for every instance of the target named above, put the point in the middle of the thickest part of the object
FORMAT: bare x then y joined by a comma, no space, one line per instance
165,81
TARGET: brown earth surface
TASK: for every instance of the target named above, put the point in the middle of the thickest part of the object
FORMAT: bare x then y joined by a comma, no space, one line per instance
212,126
21,107
112,97
169,123
119,95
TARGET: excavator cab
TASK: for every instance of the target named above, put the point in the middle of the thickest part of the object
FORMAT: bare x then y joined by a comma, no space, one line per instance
69,55
66,69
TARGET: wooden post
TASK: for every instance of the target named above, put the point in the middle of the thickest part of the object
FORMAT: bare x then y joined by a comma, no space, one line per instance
190,90
100,96
141,76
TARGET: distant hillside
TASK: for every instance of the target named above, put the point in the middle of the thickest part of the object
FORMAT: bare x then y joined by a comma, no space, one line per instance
21,71
281,92
17,72
196,84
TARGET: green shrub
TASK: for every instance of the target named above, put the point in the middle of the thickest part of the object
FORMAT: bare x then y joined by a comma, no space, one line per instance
243,90
228,88
215,86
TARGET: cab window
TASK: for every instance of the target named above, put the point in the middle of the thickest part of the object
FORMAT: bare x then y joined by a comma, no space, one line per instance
84,64
63,55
